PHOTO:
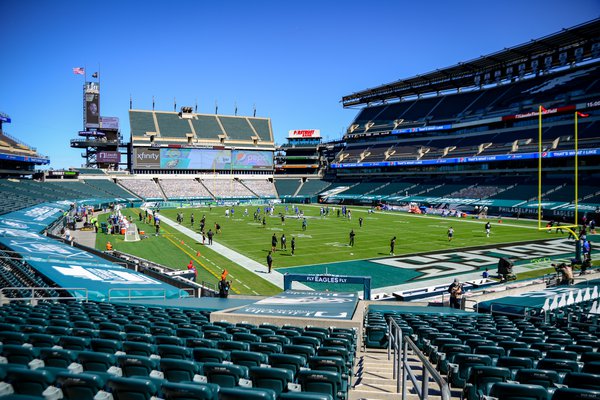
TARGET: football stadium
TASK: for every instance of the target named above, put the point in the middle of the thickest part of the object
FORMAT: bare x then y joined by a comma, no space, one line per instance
443,248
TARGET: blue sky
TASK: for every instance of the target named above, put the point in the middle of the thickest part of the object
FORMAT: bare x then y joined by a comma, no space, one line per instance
293,59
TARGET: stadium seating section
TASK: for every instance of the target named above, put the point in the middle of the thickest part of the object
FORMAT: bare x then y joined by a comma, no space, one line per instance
82,350
503,357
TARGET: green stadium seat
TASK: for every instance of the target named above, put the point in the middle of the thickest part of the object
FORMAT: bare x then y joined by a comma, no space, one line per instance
139,349
560,366
237,393
79,386
200,342
495,352
131,388
202,354
280,339
170,340
17,354
246,337
561,355
576,394
376,337
449,351
581,380
432,348
481,380
544,347
189,391
266,348
515,391
42,340
224,375
293,362
248,358
185,333
306,341
136,366
546,378
262,331
217,335
276,379
30,382
159,330
111,335
13,338
534,354
304,396
180,370
459,375
84,332
514,363
135,328
229,345
74,343
322,382
97,363
174,352
297,349
139,337
509,345
105,345
339,342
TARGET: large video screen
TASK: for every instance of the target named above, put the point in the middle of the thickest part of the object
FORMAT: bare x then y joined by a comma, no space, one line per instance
201,159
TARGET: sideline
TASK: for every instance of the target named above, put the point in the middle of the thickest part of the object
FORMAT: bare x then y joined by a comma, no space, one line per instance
254,267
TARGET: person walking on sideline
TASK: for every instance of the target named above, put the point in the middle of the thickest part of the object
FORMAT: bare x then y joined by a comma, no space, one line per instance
392,245
293,245
352,234
269,261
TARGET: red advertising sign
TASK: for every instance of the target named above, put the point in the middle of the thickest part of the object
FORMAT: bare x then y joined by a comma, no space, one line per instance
306,133
535,114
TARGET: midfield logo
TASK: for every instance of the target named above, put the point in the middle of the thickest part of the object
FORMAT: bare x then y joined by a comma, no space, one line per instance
458,262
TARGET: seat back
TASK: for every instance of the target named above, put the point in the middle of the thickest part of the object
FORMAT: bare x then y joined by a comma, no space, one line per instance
298,349
321,382
187,391
266,348
133,366
581,380
131,388
576,394
230,345
542,377
210,355
275,379
534,354
174,352
17,354
225,375
79,386
293,362
57,358
237,393
516,391
560,366
176,370
105,345
29,382
248,358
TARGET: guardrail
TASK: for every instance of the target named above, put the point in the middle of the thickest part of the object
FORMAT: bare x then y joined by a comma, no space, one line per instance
35,298
400,345
130,297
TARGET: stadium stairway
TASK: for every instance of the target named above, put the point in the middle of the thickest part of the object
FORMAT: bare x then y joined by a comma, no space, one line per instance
373,378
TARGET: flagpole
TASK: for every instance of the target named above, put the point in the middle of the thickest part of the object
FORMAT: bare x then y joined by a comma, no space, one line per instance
540,166
576,167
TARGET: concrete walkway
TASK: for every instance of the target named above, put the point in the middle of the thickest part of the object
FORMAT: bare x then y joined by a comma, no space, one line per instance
255,267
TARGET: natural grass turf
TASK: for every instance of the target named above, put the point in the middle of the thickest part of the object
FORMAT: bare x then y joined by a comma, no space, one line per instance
324,241
167,249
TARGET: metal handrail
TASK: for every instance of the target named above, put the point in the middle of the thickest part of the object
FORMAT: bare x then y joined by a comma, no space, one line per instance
129,290
401,345
38,298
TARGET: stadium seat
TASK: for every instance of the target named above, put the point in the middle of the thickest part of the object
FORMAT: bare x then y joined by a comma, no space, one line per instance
462,364
280,339
494,352
79,386
297,349
276,379
246,337
224,375
561,355
543,346
74,343
449,351
542,377
217,335
306,341
376,337
293,362
136,366
174,352
322,382
131,388
514,363
582,380
202,354
17,354
41,340
170,340
262,331
180,370
229,345
305,396
97,363
111,335
13,338
560,366
57,359
248,358
481,380
105,345
31,382
187,391
336,352
237,393
266,348
533,354
188,333
576,394
139,349
515,391
200,342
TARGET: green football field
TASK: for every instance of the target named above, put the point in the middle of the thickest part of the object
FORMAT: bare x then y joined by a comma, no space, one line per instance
324,241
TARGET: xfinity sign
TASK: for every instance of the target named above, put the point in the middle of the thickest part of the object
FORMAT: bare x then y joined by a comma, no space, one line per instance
146,158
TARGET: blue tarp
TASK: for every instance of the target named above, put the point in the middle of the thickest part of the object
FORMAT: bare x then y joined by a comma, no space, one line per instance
70,267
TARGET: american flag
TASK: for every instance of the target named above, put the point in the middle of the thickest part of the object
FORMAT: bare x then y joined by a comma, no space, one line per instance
78,70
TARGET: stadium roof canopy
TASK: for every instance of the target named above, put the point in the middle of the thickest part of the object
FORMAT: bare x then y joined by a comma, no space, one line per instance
465,74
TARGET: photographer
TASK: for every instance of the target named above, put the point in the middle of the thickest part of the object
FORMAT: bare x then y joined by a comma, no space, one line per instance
566,272
456,292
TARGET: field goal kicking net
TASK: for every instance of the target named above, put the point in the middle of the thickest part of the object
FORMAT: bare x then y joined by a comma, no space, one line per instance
542,153
131,234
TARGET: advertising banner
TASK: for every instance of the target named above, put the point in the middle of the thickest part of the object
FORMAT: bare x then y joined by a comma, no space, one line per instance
206,159
146,158
111,123
92,104
247,159
306,133
113,157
